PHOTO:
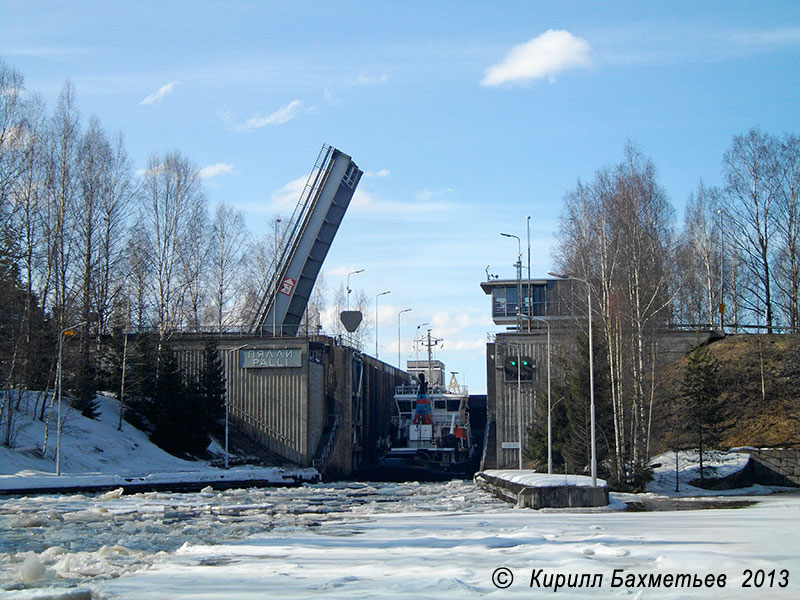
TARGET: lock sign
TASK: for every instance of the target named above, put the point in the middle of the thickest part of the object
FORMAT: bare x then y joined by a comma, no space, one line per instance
287,286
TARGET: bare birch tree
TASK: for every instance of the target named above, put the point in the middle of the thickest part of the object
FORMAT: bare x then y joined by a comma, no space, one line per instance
114,211
788,228
752,176
171,193
616,233
229,238
643,221
12,135
259,266
699,255
194,258
60,218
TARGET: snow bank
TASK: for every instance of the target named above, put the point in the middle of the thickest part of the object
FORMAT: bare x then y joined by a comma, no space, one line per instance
534,479
94,455
716,464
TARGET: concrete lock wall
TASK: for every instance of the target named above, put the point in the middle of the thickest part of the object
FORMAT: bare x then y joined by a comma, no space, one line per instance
363,418
331,409
274,406
502,395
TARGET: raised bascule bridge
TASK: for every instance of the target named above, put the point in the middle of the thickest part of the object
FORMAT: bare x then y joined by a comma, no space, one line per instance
303,399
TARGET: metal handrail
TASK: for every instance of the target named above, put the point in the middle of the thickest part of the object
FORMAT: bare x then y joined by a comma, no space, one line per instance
440,420
253,420
321,462
412,390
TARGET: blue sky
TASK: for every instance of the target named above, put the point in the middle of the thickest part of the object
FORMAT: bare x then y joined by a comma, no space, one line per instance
465,116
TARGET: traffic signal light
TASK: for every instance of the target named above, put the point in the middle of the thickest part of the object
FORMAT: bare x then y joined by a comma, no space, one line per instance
526,368
518,368
510,368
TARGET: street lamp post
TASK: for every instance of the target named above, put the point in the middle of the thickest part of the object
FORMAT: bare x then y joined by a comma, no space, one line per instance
591,372
549,416
519,403
348,285
528,294
227,400
62,333
518,265
398,335
376,318
721,270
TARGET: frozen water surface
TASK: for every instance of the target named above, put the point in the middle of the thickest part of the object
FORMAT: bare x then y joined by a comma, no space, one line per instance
82,538
347,540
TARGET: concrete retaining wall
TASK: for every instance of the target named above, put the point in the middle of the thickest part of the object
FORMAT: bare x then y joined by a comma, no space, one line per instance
775,466
767,466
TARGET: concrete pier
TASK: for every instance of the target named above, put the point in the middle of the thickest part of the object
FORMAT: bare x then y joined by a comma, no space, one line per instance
529,489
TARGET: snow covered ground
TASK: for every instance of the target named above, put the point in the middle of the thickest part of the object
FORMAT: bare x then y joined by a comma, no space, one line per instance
357,540
95,453
716,464
88,446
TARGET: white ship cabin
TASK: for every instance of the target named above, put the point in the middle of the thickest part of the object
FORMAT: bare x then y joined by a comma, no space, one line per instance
437,420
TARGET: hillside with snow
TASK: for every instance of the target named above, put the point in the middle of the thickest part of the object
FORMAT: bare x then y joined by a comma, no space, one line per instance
95,453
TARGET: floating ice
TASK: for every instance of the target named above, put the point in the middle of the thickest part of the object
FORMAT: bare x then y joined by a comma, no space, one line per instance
32,569
112,495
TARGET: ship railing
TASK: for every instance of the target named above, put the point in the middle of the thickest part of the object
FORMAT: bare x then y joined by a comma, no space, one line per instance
406,390
413,390
441,421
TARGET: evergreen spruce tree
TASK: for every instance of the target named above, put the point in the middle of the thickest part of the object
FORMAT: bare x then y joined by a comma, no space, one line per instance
570,417
195,427
536,449
171,414
576,399
85,398
701,407
141,382
212,386
182,412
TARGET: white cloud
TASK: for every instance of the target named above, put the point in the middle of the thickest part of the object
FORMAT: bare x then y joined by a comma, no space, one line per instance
287,197
448,325
364,79
543,56
58,52
768,37
216,169
381,173
280,116
427,193
473,344
364,202
340,271
157,97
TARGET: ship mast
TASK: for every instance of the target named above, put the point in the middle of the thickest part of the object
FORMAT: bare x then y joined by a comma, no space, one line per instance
430,344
